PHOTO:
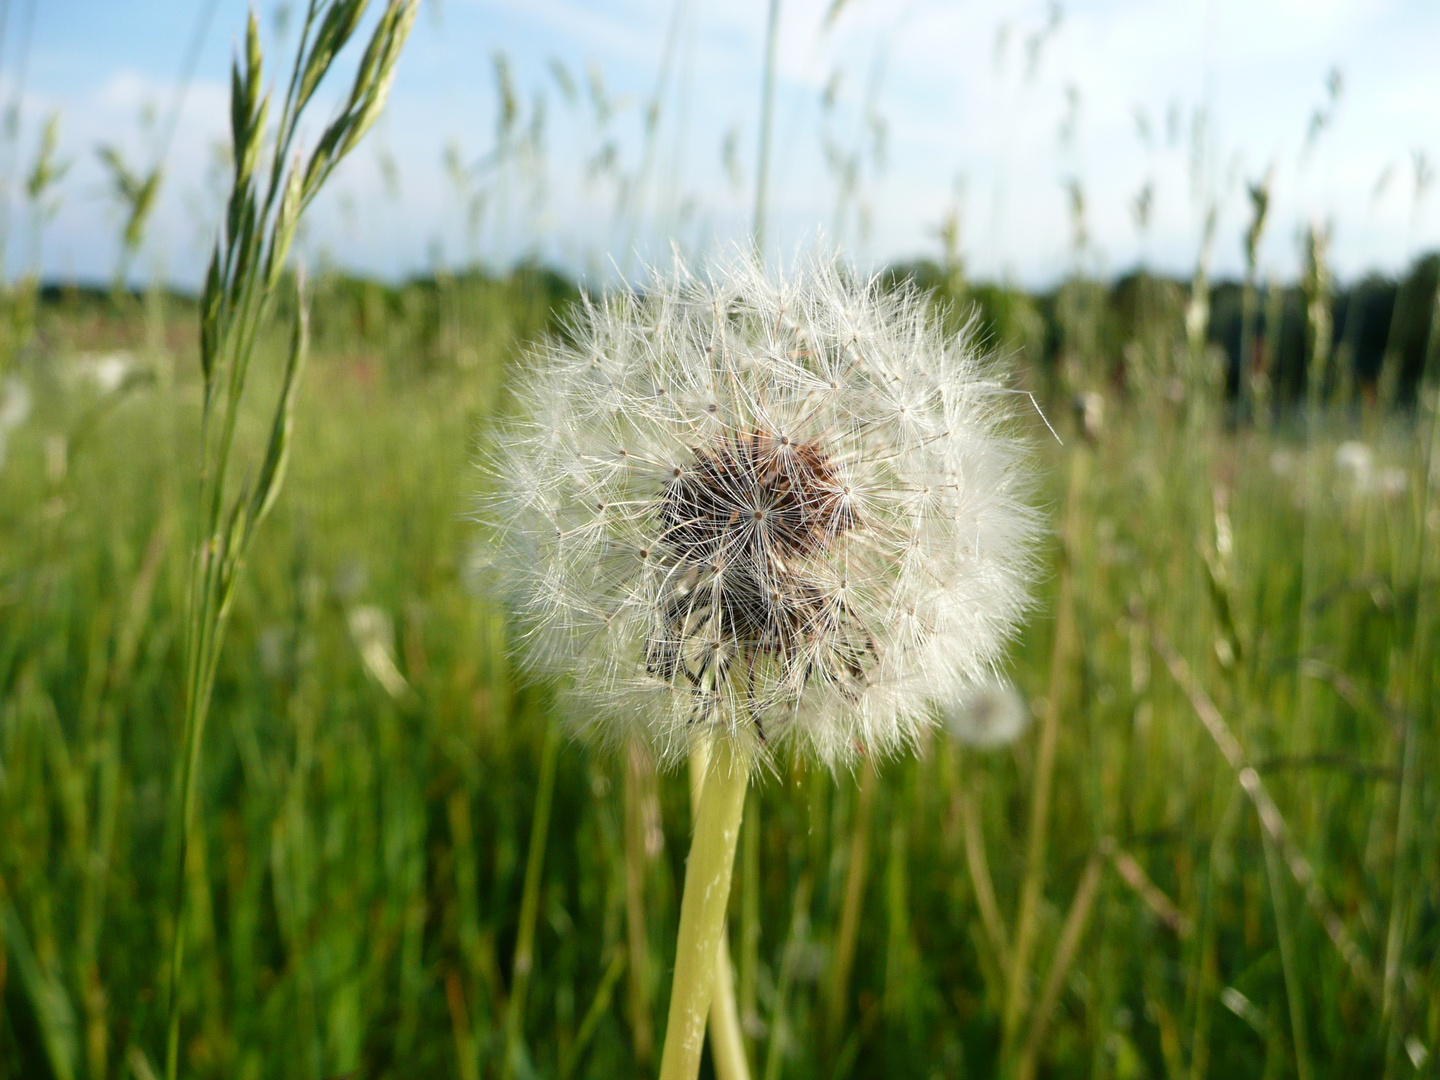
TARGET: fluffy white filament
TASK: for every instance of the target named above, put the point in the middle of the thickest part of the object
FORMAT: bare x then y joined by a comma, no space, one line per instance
784,510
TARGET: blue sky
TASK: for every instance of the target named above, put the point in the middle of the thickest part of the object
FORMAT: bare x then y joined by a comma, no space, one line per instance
988,110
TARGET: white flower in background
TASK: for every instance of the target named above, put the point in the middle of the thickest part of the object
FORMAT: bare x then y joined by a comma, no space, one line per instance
1356,461
14,411
988,716
789,511
1090,411
1282,462
106,371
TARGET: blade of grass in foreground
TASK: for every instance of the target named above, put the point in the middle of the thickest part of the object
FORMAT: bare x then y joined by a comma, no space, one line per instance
240,289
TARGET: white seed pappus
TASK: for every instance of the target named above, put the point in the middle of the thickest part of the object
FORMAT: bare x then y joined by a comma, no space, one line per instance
989,715
786,510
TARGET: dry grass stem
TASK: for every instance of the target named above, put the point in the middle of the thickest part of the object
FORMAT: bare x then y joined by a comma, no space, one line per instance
1269,813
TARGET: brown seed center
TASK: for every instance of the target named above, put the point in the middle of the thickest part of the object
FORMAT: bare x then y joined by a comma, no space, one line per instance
754,497
740,524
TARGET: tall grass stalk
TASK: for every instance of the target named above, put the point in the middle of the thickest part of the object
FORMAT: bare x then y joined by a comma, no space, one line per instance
977,864
467,901
857,865
1076,921
1271,820
1254,383
750,888
777,1044
767,120
1421,692
1205,972
524,960
1017,991
1318,334
241,286
639,773
1270,366
594,1015
1289,962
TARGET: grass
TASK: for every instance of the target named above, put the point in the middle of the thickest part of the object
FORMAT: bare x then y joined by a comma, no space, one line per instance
355,888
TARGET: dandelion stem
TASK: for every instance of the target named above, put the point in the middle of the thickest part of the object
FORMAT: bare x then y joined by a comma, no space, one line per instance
727,1045
702,909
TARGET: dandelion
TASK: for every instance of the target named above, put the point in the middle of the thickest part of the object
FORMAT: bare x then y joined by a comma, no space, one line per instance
1356,461
989,716
1282,462
14,411
786,512
780,515
105,372
1090,412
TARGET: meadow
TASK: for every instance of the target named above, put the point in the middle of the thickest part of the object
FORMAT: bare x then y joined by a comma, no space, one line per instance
1208,854
277,800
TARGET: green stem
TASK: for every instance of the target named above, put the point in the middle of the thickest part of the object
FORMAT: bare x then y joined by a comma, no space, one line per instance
637,770
1017,995
1201,990
1420,663
530,904
750,915
727,1045
193,735
837,991
799,926
1074,929
1288,959
702,909
1318,330
978,865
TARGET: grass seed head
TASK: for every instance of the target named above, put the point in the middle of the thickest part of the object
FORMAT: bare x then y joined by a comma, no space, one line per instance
785,509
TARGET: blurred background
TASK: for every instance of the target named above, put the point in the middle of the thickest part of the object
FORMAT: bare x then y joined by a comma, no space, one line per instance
1190,838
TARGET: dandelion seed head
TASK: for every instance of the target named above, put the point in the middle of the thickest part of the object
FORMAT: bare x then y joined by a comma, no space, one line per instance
787,510
1355,461
988,716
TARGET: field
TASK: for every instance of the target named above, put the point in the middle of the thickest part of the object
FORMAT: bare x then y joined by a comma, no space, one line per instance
1211,853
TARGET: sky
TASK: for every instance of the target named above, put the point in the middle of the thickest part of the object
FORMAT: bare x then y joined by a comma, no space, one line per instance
1033,133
